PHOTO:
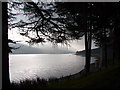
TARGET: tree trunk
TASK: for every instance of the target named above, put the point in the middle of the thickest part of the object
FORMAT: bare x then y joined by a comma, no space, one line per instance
88,39
88,36
113,47
101,57
86,53
89,49
5,55
106,61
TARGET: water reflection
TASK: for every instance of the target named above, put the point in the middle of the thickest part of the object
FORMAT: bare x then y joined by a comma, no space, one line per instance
30,66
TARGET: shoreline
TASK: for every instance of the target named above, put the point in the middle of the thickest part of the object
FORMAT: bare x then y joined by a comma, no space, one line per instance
79,74
43,83
50,80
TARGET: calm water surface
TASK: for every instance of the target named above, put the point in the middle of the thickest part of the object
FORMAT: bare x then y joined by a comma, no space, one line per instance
30,66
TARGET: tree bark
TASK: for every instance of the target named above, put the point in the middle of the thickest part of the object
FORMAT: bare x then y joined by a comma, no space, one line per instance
105,48
113,50
106,61
88,36
86,52
5,55
88,39
89,49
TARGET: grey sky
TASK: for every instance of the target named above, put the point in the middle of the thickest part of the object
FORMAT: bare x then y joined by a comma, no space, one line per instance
64,0
74,45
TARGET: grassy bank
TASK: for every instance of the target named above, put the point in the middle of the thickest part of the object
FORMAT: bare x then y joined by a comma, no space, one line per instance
106,78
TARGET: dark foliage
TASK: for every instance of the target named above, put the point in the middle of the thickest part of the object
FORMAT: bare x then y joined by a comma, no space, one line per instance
61,22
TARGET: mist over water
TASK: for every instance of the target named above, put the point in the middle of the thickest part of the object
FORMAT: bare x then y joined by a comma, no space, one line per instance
44,66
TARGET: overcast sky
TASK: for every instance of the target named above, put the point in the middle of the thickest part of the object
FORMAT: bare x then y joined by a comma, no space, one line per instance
74,45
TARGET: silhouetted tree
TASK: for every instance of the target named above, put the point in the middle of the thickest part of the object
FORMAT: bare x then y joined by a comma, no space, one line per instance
104,33
5,43
44,22
116,31
5,56
96,20
59,22
85,19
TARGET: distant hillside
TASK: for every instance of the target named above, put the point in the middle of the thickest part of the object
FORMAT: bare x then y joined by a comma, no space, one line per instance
25,49
94,52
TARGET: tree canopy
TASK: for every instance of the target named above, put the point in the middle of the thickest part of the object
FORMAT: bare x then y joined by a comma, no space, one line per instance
46,22
59,22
